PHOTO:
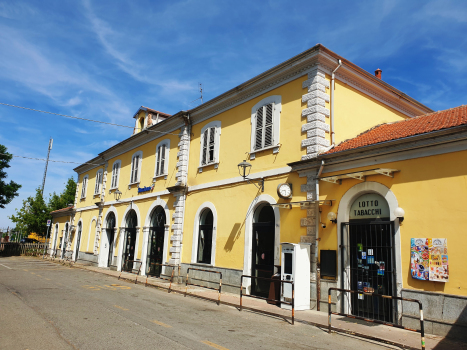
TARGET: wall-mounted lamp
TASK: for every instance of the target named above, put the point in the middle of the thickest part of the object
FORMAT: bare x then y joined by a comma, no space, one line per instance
117,195
332,217
399,213
244,169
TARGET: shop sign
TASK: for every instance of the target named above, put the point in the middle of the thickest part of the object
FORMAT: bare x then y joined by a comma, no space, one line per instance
369,206
145,189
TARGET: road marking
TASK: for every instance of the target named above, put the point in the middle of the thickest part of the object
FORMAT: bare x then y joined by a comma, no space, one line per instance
38,275
48,279
32,273
161,324
214,345
122,308
25,270
6,267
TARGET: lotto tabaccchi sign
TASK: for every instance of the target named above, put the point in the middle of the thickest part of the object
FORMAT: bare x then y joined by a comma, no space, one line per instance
369,206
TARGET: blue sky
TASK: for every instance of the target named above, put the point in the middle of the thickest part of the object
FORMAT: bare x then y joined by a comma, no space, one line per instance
104,59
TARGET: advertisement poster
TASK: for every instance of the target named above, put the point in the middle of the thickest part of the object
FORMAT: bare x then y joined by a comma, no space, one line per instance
429,259
439,266
419,259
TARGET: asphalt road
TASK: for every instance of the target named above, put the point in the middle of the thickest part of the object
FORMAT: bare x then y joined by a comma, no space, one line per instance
46,305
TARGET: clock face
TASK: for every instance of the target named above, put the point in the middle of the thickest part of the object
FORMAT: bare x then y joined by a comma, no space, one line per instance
284,190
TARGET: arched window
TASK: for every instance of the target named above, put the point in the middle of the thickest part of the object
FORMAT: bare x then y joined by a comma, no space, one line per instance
136,161
98,186
110,230
130,241
84,186
162,158
265,125
115,174
210,142
205,237
156,242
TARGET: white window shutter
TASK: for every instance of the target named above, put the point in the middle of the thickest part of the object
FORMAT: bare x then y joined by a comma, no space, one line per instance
268,126
205,147
259,129
163,150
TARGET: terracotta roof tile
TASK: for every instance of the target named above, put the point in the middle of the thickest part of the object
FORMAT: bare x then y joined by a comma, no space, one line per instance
410,127
60,210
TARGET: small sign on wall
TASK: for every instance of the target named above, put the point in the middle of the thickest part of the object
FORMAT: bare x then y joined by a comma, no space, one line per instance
429,259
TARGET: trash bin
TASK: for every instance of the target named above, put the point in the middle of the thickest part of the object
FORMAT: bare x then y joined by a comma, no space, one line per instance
275,290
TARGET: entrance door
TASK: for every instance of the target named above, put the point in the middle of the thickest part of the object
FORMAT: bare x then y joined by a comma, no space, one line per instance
263,251
371,268
110,237
156,242
130,242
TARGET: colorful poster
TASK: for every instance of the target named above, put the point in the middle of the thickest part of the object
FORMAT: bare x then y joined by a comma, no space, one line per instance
419,258
439,267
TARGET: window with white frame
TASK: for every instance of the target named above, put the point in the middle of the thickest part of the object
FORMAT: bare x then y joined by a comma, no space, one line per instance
136,161
210,143
115,174
84,186
98,186
162,158
204,235
265,123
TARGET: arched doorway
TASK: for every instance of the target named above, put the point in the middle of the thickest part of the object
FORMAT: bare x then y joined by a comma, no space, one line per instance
110,230
206,222
129,244
78,239
371,257
156,242
64,240
263,244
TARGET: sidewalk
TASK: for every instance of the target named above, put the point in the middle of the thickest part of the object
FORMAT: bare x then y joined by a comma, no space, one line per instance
386,334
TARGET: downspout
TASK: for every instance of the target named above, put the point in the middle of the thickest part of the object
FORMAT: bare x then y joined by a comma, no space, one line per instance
318,267
332,102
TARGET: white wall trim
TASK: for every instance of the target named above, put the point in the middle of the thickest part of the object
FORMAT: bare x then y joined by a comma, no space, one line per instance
76,247
144,256
217,138
343,216
276,99
247,256
105,244
194,249
90,231
167,154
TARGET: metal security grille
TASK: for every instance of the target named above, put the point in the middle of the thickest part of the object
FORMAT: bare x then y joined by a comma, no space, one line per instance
368,265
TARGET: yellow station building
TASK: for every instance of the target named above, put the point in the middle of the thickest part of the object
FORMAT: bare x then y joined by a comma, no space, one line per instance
304,131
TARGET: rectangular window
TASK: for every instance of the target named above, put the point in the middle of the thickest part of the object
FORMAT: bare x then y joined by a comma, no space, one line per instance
134,169
208,146
115,175
98,182
264,126
85,184
160,164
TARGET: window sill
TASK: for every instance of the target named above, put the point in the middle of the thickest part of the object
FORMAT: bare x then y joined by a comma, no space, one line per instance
201,264
96,195
275,149
200,168
82,198
159,176
133,183
113,189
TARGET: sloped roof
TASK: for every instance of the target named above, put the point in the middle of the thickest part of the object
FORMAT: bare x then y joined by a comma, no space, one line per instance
60,210
410,127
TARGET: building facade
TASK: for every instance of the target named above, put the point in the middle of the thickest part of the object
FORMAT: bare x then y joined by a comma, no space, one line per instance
173,193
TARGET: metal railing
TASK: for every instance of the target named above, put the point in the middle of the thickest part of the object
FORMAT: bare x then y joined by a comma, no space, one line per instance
197,285
330,312
14,248
131,271
292,303
163,278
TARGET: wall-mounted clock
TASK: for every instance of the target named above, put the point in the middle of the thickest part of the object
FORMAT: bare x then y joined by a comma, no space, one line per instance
284,190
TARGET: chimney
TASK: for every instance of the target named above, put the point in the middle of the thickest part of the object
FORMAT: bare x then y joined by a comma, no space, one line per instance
378,73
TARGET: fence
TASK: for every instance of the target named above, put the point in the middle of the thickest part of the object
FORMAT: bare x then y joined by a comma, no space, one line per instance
167,279
292,303
197,285
131,271
330,312
9,249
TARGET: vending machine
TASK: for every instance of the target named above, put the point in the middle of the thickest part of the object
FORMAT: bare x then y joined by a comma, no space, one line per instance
295,267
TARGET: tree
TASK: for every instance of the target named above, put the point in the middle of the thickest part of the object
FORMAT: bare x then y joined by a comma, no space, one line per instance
33,216
7,191
65,198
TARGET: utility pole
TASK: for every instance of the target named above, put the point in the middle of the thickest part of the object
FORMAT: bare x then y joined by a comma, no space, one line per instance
46,164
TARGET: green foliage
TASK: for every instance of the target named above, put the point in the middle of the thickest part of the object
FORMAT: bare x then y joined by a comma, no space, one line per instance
8,191
33,216
63,199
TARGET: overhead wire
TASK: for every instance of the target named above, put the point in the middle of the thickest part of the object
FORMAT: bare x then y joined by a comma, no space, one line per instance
43,159
86,119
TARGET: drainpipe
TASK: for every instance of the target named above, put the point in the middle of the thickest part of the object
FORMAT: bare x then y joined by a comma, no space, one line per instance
332,102
318,267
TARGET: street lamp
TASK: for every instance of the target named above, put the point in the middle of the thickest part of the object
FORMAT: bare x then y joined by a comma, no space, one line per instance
117,195
244,169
